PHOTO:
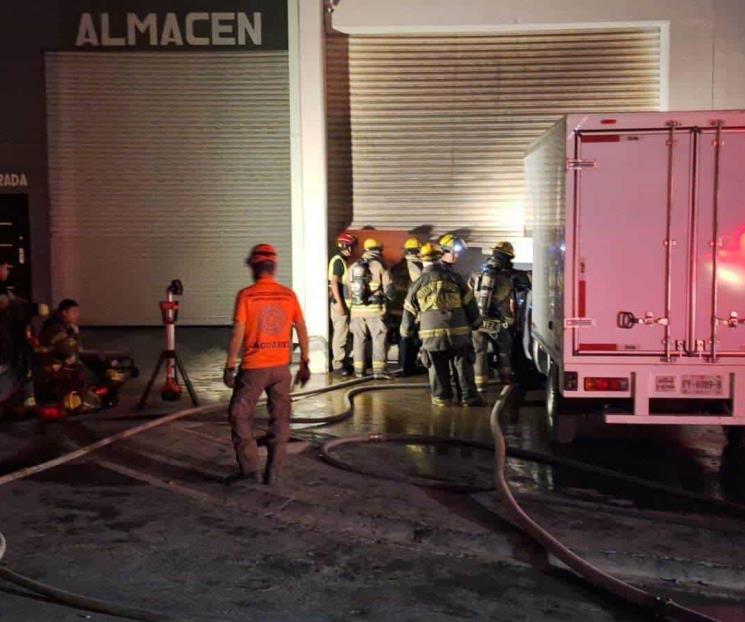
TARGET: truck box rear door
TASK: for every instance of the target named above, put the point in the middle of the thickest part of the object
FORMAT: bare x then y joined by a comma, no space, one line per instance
722,294
622,221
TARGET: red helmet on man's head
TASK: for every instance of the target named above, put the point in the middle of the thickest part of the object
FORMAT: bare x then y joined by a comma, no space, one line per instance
262,253
346,239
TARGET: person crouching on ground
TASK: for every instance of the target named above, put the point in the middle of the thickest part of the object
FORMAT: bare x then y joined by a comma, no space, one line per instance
265,314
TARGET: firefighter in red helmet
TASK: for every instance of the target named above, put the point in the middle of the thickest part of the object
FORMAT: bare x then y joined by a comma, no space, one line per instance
338,305
265,314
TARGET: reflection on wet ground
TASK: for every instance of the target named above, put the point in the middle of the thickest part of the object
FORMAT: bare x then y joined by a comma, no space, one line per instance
686,457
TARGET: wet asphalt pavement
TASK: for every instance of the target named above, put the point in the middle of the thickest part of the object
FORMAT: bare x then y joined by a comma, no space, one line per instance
369,570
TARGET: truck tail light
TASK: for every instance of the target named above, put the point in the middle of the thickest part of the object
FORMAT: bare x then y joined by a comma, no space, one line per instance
571,380
606,384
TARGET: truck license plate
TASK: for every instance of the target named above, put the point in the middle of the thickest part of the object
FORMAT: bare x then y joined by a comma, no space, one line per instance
701,385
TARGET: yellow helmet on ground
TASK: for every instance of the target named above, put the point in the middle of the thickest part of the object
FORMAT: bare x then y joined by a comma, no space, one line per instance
505,248
371,244
72,402
412,245
451,243
430,252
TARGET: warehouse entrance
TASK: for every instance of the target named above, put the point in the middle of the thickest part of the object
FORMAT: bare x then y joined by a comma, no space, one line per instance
14,241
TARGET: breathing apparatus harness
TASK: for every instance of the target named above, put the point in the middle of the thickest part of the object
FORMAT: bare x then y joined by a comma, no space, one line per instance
494,319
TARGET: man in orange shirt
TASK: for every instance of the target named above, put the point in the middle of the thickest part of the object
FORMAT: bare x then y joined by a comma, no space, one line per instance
265,314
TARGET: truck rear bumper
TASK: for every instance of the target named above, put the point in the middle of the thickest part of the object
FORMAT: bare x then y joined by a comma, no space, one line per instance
652,388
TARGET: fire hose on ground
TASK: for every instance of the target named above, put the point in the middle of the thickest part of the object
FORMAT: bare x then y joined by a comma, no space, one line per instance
659,606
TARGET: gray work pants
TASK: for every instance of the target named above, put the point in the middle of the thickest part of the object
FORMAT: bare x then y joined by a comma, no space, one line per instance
250,384
339,337
374,328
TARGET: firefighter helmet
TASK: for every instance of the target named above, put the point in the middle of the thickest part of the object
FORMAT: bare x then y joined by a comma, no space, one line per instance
430,252
412,245
346,240
371,244
452,244
262,253
72,402
505,248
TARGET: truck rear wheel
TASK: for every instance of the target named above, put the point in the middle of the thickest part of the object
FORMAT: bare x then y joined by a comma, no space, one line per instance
562,425
735,436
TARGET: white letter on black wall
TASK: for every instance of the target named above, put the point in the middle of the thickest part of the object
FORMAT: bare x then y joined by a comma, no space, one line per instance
171,31
86,31
191,38
245,27
148,26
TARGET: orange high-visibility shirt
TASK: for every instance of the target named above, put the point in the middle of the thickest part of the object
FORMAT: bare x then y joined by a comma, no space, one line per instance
268,310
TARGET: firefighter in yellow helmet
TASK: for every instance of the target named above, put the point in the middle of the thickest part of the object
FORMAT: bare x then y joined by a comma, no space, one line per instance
499,290
370,289
444,307
404,273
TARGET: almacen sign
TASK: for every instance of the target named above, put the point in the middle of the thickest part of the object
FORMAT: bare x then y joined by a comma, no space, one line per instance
194,29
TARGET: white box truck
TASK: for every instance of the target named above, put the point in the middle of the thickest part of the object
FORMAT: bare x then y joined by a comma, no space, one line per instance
638,303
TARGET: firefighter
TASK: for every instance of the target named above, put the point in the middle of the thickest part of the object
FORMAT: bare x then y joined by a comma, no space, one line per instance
404,273
81,382
446,311
370,289
265,314
16,315
412,248
498,288
452,247
338,309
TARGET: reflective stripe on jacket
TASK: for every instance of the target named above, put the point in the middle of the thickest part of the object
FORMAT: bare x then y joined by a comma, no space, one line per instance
337,259
445,308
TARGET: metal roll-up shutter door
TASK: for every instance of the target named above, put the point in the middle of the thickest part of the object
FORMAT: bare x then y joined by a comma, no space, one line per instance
161,166
439,124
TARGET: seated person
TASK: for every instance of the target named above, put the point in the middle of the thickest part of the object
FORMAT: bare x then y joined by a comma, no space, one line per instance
80,381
